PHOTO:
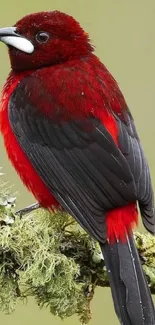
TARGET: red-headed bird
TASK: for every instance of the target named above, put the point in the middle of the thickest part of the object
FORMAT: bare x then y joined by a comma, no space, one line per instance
71,137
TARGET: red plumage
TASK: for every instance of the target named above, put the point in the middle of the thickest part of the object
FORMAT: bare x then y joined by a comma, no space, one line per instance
15,153
80,88
71,137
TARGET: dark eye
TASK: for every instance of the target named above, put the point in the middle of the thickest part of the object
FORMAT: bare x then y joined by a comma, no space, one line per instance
42,37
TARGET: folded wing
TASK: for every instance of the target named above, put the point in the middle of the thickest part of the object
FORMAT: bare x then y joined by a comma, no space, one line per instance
80,163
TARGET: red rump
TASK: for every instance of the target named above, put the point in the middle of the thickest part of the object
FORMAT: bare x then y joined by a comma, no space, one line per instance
120,221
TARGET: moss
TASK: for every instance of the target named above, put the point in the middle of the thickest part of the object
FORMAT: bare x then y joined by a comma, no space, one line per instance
42,257
48,256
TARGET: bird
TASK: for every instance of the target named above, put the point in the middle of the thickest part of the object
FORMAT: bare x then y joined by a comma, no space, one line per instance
71,137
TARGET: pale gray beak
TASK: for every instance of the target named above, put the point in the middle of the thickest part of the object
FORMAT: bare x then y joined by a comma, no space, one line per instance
9,36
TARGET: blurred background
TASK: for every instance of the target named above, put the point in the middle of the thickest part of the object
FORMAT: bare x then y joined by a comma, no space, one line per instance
123,32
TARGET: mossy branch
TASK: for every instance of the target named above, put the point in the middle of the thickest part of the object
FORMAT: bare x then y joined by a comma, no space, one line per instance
48,256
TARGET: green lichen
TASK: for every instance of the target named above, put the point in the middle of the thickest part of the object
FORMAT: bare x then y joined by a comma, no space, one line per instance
48,256
146,248
38,258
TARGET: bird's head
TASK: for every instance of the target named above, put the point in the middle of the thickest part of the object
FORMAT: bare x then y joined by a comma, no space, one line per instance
44,39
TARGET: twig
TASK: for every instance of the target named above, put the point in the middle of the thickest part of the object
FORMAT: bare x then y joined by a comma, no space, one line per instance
28,209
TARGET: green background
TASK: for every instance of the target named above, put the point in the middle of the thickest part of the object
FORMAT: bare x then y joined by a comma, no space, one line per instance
123,32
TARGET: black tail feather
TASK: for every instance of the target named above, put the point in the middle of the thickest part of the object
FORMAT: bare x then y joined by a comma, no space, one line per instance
131,294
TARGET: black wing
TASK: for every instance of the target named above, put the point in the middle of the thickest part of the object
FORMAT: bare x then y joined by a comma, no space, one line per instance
81,165
131,148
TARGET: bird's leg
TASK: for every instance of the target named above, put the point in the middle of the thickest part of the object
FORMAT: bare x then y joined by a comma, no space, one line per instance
28,209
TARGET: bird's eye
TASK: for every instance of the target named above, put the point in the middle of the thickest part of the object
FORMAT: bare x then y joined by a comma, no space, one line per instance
42,37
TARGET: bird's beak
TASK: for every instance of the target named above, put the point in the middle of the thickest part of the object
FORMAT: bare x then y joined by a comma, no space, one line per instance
9,36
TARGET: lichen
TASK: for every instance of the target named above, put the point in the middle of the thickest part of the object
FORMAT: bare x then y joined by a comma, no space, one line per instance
48,256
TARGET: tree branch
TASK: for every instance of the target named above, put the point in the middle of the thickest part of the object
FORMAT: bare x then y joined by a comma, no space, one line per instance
28,209
48,256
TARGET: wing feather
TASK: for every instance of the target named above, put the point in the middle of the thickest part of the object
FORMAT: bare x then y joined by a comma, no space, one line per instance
81,165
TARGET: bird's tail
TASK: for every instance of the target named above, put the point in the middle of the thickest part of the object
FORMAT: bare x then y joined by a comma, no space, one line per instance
131,294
